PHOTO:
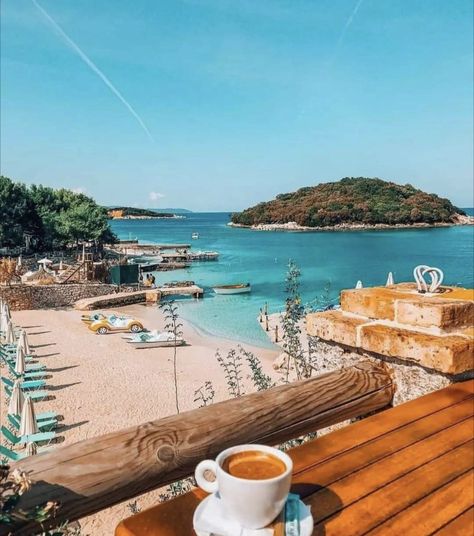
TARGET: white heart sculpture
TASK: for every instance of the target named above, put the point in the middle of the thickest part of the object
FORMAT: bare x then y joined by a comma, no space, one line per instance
435,274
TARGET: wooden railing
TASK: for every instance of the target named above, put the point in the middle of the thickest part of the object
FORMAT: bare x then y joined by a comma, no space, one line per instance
94,474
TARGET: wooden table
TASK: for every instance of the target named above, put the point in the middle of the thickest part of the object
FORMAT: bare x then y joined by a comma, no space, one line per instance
405,471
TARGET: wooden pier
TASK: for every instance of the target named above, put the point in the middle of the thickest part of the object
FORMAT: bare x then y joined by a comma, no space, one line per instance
191,290
145,295
190,256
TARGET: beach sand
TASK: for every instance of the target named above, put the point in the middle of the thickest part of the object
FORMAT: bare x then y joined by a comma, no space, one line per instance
101,385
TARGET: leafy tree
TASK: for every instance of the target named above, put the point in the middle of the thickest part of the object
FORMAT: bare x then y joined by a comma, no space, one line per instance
352,200
18,214
53,218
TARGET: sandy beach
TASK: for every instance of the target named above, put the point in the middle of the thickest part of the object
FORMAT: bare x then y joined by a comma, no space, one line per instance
99,385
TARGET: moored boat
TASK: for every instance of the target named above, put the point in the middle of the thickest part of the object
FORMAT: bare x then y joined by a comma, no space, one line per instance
241,288
195,236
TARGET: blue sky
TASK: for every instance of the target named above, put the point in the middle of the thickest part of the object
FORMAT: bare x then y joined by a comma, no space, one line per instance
242,99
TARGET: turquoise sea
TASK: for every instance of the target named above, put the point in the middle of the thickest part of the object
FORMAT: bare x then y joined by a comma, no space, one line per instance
335,258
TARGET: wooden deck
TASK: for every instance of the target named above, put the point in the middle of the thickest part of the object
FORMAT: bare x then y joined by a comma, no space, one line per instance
404,471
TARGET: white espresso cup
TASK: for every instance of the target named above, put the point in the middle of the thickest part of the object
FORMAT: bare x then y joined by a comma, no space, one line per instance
252,503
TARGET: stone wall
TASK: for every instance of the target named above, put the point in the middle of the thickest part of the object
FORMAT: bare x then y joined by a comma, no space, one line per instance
427,340
21,297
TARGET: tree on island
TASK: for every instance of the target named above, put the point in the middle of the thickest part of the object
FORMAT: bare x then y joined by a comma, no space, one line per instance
50,218
352,201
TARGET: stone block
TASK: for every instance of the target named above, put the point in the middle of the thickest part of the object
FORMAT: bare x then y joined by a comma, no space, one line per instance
374,302
152,297
442,313
450,354
334,326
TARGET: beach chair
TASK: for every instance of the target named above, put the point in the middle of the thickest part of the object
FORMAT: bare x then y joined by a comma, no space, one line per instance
41,437
44,416
36,395
25,385
35,367
17,456
5,356
43,425
32,375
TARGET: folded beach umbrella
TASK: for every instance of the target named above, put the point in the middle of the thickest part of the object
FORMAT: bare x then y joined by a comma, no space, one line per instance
31,449
390,280
20,360
28,424
3,319
23,342
17,399
359,284
9,335
6,308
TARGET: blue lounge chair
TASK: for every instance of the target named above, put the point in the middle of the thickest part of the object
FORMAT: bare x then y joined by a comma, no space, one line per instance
27,375
29,367
41,437
16,456
34,395
25,385
44,425
43,416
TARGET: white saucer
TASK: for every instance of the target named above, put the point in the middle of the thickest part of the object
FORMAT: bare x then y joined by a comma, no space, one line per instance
306,523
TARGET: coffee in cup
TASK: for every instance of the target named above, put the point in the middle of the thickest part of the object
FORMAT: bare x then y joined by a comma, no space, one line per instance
253,465
253,482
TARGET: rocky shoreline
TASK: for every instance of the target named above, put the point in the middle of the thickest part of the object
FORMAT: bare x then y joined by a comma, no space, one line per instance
293,226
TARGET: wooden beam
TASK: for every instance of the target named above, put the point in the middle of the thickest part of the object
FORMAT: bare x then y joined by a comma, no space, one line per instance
91,475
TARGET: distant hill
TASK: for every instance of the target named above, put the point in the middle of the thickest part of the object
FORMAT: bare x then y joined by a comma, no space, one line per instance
136,213
176,210
352,201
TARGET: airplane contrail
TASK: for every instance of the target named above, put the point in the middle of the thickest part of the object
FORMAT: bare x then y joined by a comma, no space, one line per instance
349,21
93,67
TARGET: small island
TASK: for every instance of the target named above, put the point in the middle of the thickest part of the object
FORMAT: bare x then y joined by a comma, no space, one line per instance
133,213
351,203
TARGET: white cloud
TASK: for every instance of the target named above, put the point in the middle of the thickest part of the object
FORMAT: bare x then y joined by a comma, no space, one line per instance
154,196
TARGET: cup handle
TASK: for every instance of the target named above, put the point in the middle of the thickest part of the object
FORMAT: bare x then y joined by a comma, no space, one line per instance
202,482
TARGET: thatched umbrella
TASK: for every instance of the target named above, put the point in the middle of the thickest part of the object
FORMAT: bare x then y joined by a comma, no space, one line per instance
28,424
41,276
17,399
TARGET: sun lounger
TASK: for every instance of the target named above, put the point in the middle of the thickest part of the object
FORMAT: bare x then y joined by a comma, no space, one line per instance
36,395
41,437
27,376
16,456
10,361
43,425
25,385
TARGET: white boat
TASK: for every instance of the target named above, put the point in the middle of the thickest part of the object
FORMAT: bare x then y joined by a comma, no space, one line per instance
154,339
195,236
242,288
